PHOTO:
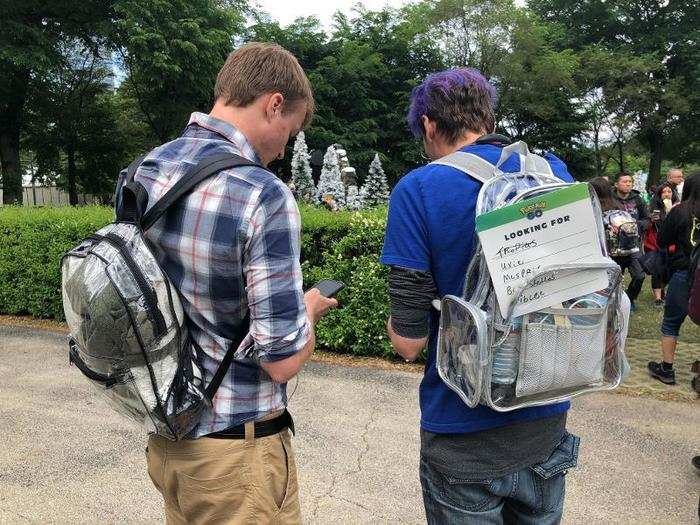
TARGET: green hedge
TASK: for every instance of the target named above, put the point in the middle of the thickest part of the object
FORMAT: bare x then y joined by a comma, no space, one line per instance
343,246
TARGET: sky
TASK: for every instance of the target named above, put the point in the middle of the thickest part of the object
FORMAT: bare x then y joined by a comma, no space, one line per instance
285,11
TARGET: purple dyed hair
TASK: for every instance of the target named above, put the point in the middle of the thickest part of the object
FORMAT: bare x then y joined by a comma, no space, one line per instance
458,100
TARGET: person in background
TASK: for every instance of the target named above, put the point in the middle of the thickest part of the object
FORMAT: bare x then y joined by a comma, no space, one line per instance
661,203
631,201
604,191
675,179
679,233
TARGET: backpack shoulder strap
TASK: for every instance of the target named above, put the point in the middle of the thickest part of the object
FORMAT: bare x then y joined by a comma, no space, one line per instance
528,160
134,198
204,169
473,165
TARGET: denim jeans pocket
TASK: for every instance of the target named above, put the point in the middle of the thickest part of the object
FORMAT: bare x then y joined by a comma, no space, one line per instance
564,457
471,495
549,476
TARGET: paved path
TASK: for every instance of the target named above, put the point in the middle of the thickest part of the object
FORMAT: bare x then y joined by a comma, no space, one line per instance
67,459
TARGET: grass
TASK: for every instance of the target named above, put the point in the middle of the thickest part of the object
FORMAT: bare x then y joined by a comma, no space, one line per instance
645,323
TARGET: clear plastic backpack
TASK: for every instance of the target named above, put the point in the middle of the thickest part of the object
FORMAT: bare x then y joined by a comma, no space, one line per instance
128,331
543,357
621,233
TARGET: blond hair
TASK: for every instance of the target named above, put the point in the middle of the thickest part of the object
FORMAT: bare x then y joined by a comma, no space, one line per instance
258,68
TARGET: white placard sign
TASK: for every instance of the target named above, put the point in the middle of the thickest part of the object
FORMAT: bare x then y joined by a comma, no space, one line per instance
522,239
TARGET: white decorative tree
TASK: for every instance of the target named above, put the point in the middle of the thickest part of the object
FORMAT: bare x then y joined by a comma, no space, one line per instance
375,190
329,184
301,171
353,201
639,180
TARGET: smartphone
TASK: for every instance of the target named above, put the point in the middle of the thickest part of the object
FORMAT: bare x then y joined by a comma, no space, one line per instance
328,287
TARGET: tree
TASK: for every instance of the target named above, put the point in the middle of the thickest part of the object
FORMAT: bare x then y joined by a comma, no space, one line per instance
301,171
330,185
375,190
73,124
661,33
473,33
362,76
354,201
614,85
172,51
536,89
32,33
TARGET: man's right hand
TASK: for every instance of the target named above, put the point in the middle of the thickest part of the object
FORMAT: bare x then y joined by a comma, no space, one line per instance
317,305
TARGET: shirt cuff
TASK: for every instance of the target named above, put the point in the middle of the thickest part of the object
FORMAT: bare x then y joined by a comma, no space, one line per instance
284,347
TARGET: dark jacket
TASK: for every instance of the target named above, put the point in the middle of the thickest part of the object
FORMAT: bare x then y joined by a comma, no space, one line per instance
675,237
637,208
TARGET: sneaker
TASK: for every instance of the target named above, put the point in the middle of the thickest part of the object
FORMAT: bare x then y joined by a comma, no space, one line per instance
696,462
659,303
633,306
665,376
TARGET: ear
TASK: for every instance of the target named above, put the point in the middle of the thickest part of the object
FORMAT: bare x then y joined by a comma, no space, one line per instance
274,105
429,127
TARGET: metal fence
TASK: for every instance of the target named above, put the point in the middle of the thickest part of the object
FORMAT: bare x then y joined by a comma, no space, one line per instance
50,196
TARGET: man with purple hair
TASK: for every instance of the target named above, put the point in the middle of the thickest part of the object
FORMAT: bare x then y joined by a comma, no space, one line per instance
477,465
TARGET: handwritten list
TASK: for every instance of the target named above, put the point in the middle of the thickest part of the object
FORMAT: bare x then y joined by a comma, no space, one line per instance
523,240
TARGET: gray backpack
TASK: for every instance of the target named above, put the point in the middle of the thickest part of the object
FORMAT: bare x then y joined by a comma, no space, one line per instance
128,331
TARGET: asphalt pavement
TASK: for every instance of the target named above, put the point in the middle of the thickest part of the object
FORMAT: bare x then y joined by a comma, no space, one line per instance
68,459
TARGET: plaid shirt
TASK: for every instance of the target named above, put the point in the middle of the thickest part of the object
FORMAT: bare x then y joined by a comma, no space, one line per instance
230,247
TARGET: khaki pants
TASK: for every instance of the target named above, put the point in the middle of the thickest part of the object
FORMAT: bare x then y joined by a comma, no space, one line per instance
226,481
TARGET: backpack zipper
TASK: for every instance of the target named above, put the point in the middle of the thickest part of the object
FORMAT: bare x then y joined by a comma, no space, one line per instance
149,294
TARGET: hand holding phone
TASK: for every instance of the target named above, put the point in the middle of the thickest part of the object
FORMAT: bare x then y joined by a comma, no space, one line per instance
328,287
319,299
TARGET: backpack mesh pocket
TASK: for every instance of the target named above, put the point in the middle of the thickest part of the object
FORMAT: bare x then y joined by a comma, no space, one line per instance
560,356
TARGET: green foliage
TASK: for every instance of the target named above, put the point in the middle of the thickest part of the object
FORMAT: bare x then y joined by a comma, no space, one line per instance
362,75
359,325
536,88
33,37
72,125
654,66
32,242
342,245
172,51
595,81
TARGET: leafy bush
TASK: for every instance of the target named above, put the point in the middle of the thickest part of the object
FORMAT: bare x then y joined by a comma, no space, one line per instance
358,326
32,242
341,245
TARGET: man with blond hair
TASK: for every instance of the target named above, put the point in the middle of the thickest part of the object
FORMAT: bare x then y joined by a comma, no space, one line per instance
231,247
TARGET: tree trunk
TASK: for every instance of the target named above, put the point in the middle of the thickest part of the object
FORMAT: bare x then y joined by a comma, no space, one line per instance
11,174
14,89
596,149
622,156
72,186
656,156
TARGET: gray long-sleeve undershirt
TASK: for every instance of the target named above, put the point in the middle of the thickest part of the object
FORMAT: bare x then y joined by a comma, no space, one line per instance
410,299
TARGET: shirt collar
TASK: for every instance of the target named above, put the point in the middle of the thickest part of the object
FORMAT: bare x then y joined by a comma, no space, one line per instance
228,131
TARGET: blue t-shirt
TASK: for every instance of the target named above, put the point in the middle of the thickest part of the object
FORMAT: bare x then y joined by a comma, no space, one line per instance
431,227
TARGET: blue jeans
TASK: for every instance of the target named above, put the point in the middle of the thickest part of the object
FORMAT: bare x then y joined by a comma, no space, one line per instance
531,496
676,307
